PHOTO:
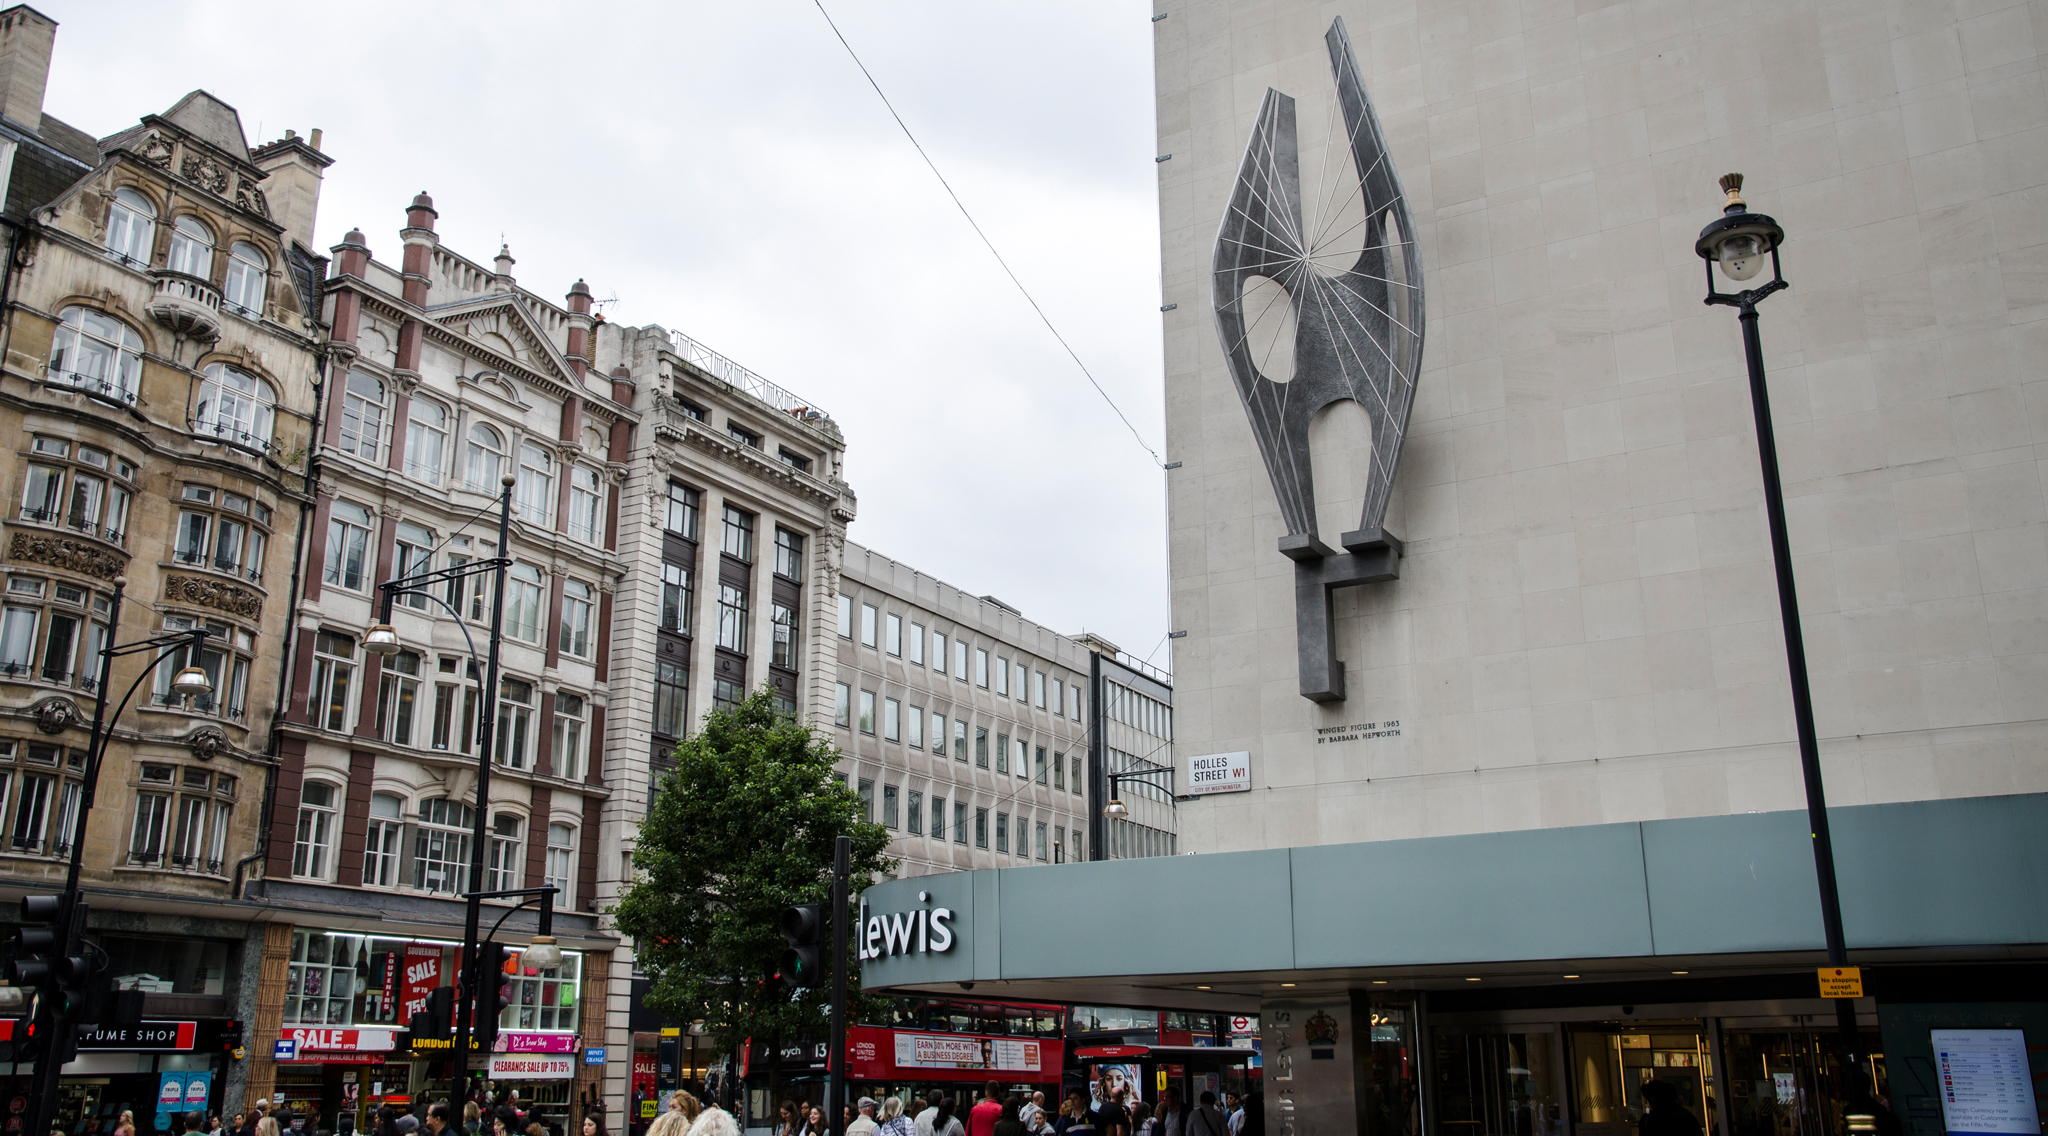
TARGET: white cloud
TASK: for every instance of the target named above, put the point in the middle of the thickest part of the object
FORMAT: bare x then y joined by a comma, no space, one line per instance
725,170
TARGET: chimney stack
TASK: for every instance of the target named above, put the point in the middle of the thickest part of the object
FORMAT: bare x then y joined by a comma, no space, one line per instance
293,167
26,39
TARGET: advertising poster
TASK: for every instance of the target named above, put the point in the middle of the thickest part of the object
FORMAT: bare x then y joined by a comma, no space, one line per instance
197,1087
1119,1083
1986,1085
422,974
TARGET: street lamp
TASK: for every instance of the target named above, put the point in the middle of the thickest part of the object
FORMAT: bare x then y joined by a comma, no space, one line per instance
1115,809
1737,243
191,681
382,639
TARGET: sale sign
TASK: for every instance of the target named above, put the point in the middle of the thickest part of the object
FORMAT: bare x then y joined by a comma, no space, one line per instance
422,975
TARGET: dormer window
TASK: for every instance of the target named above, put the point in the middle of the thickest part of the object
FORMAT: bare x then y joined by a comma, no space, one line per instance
742,435
191,248
235,407
131,228
795,461
248,272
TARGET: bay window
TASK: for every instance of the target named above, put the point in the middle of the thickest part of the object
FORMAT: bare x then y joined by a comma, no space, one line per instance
426,440
534,497
131,228
191,248
486,458
248,273
586,505
523,603
319,821
362,415
235,407
515,722
569,749
575,638
97,354
441,843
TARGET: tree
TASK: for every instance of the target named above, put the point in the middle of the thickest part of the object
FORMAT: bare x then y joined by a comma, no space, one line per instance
742,828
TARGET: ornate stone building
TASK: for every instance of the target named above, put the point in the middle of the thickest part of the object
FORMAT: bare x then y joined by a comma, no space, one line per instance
157,397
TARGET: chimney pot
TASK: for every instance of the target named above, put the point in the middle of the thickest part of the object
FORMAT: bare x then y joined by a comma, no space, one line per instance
313,139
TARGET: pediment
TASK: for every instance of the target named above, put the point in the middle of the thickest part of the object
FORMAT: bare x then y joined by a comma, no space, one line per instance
500,327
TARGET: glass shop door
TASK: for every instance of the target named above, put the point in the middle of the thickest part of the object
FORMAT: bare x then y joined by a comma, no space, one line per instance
1610,1062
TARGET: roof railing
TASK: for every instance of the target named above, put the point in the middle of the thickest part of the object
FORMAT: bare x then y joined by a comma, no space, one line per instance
732,374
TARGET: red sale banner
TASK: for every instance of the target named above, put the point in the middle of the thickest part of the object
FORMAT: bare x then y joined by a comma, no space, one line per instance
422,974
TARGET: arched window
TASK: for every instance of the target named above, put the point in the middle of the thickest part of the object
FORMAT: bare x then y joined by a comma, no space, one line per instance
191,248
97,354
131,227
486,458
235,407
440,850
319,819
380,847
248,273
536,496
362,415
505,866
561,863
426,440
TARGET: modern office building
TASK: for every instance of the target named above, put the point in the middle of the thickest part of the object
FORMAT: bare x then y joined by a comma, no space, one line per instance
965,726
158,395
1486,636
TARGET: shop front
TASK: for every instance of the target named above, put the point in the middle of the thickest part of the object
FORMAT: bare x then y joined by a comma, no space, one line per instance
1546,982
344,1049
158,1070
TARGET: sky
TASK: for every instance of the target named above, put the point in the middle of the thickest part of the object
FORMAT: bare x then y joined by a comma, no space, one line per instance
725,170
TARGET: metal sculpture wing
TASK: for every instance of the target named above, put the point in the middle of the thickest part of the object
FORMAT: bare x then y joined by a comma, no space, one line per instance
1357,335
1358,327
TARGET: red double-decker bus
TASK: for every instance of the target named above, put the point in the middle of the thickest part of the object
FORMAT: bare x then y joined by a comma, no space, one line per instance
955,1045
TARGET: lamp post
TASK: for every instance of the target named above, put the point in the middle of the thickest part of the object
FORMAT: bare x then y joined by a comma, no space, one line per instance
1738,242
383,640
190,682
1115,809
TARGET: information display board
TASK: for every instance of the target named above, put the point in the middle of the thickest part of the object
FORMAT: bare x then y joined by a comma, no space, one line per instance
1986,1086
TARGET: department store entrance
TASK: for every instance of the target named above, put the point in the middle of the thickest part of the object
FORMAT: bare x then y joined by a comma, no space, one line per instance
1773,1075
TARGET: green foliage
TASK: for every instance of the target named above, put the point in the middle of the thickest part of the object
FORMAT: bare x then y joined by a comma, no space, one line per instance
741,829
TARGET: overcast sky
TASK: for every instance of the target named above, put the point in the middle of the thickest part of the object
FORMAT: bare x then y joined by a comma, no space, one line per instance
723,169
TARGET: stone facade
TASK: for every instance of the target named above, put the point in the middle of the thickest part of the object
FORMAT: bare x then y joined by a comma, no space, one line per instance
1585,626
157,395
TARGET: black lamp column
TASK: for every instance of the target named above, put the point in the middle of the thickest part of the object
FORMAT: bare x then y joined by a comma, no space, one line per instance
1738,242
383,639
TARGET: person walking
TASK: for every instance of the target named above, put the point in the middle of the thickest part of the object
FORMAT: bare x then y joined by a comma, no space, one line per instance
922,1126
1207,1119
1008,1124
1171,1117
944,1123
1143,1123
1033,1113
894,1123
981,1119
713,1121
1665,1116
864,1117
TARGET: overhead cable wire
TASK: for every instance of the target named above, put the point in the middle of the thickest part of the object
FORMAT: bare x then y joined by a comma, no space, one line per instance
976,226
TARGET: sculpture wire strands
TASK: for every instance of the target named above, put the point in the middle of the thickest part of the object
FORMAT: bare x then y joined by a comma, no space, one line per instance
1357,336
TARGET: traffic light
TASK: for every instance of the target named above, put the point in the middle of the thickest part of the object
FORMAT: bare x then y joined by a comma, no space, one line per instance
437,1021
494,995
803,925
35,945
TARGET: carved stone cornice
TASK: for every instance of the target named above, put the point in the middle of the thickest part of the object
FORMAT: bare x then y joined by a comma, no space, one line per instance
214,594
64,552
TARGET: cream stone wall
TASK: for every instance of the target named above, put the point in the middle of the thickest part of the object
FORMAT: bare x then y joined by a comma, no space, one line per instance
1586,628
